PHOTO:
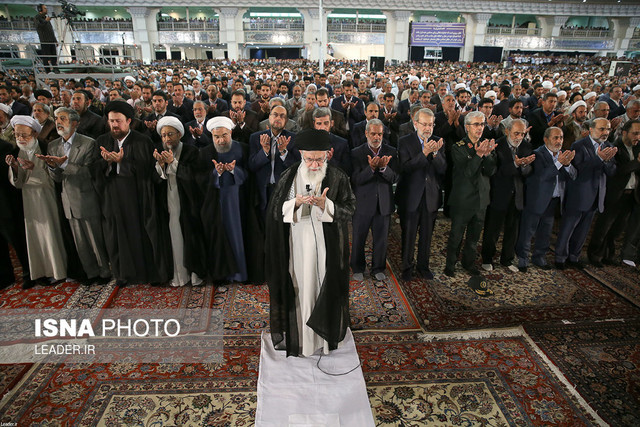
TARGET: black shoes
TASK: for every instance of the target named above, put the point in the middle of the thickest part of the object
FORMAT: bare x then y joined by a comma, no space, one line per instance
596,263
560,265
523,269
545,267
449,272
472,269
426,274
578,265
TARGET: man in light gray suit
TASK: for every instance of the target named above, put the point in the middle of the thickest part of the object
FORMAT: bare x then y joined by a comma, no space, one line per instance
71,161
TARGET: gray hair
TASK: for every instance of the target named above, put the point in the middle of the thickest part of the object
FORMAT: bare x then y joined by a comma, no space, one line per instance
424,112
548,131
592,123
374,122
204,104
73,114
472,115
276,100
633,103
599,104
321,112
509,124
44,107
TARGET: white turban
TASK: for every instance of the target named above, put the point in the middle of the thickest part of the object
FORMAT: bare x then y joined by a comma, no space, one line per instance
460,86
8,111
413,79
547,84
561,93
576,105
130,78
27,121
590,95
220,122
635,88
170,121
576,85
490,93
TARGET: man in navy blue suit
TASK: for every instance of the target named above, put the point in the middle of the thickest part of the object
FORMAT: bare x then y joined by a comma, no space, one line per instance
339,155
350,105
545,190
375,170
357,133
418,194
271,152
594,161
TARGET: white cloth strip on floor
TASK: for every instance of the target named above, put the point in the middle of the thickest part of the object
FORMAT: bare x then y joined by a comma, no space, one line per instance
294,392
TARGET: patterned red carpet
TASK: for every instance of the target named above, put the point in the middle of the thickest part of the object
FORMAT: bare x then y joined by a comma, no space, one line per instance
446,304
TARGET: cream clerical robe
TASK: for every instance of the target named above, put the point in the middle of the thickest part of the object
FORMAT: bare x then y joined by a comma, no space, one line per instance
307,264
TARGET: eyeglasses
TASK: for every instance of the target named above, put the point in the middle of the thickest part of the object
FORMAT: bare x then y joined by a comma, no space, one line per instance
319,160
426,125
168,135
22,135
482,124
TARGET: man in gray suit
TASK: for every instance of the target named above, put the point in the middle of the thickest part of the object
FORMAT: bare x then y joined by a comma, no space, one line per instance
71,161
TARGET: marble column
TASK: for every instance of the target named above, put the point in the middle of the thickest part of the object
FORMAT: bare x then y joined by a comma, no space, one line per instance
145,30
396,40
475,32
231,30
558,22
313,28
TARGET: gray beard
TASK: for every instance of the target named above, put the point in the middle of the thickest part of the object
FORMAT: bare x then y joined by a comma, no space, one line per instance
222,149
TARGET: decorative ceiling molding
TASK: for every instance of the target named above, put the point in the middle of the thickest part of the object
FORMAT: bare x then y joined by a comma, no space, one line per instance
607,8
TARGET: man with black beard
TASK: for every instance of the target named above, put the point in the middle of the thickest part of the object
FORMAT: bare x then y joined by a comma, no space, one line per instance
245,120
71,160
307,251
90,124
135,226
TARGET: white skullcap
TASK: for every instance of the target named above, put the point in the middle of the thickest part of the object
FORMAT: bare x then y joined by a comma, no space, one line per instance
561,93
8,111
576,105
575,85
490,93
547,84
192,71
635,88
27,121
424,79
413,79
379,73
220,122
460,86
130,78
170,121
556,75
590,95
286,70
170,71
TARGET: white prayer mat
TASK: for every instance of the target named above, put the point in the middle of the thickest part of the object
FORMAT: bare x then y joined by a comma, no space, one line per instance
294,392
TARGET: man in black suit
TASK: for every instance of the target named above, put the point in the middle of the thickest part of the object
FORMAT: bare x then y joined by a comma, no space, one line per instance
181,105
493,122
349,105
358,136
514,160
620,201
615,102
422,166
404,107
261,105
159,101
216,106
91,124
501,109
18,108
339,155
270,153
245,120
531,103
375,171
196,132
407,128
339,125
544,117
389,116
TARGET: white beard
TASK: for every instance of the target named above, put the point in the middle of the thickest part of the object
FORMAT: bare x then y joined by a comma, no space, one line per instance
313,177
29,148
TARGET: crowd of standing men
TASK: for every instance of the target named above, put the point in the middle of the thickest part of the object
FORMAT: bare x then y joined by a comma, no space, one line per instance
166,178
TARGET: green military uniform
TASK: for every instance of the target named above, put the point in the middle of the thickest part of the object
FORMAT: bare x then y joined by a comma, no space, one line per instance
468,200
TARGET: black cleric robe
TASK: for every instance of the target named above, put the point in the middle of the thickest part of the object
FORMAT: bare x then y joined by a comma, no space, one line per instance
136,225
187,174
330,316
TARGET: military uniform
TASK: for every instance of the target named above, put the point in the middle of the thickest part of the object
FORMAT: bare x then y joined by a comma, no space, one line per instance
468,201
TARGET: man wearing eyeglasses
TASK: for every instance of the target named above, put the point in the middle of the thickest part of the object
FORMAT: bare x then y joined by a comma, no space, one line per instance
418,195
307,251
270,153
514,160
594,160
474,162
